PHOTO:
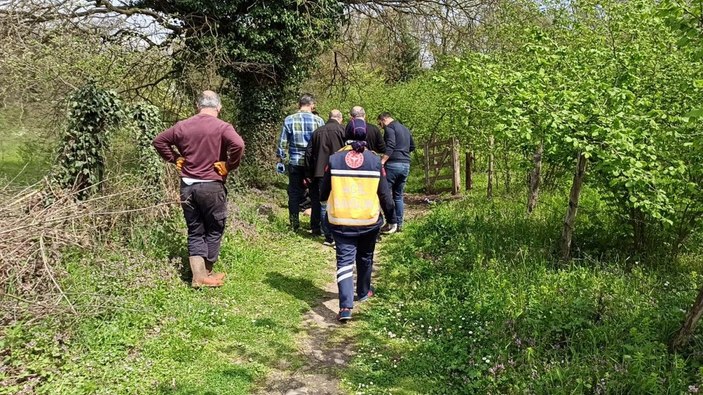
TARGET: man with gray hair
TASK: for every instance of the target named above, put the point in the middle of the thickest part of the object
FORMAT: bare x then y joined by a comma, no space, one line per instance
374,139
207,150
326,140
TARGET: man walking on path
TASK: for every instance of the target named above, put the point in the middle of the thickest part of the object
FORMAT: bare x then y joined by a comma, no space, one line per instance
354,188
396,160
326,140
295,136
208,149
374,139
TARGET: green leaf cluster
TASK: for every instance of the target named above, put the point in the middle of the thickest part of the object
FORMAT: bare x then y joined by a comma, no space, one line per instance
607,79
92,112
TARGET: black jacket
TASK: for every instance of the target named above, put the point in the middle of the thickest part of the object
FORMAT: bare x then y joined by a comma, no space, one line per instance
374,139
399,142
325,141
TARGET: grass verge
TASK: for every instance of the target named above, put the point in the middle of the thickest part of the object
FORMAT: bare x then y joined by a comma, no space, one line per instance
470,301
141,329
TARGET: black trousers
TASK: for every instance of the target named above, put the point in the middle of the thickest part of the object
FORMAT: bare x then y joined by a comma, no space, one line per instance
296,193
205,210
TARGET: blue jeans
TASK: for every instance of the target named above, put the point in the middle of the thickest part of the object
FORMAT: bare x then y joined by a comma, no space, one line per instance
354,249
296,192
397,175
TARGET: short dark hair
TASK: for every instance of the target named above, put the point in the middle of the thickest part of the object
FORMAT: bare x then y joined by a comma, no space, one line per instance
306,100
384,115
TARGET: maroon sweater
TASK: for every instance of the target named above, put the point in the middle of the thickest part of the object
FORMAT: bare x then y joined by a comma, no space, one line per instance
202,140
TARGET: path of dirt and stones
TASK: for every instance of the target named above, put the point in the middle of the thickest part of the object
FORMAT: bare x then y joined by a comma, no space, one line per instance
327,347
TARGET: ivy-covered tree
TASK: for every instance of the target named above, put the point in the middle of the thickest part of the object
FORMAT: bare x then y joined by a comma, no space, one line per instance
92,113
263,49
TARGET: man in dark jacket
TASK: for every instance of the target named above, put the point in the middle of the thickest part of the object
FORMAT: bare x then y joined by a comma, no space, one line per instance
355,190
326,140
396,160
208,149
374,139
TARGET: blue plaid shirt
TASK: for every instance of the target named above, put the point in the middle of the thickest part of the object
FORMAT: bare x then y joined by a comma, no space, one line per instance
296,133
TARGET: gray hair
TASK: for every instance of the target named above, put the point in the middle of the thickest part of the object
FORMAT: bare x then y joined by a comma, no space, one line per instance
306,100
336,114
209,99
357,112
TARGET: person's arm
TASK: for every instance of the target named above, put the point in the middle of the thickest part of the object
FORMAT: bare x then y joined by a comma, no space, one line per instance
235,147
386,199
390,144
379,143
412,143
164,142
326,187
282,143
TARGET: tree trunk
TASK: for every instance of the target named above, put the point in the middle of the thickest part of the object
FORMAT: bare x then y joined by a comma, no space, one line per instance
427,168
535,179
570,218
469,171
638,228
689,325
506,165
489,190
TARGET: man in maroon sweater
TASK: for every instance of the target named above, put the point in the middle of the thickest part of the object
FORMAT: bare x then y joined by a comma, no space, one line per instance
208,149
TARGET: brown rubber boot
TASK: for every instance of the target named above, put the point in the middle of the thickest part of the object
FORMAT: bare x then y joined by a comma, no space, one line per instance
200,277
216,276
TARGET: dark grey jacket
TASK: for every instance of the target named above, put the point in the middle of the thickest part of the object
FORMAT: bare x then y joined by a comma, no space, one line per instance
399,142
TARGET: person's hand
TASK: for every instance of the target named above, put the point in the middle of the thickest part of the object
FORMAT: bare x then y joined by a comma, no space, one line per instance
307,182
280,168
180,161
221,168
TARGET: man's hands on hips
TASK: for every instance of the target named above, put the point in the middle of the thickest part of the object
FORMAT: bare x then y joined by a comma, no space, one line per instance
221,168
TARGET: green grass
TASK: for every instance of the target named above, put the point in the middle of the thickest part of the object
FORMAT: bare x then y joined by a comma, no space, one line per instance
471,301
142,329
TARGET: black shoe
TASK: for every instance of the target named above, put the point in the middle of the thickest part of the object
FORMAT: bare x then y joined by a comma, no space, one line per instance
316,232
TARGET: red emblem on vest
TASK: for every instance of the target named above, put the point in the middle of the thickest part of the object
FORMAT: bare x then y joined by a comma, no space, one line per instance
354,159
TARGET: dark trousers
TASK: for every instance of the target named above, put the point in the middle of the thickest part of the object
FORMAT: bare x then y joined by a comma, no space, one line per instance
318,216
296,192
205,210
351,249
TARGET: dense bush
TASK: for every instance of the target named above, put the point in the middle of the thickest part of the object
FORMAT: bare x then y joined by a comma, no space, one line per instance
475,307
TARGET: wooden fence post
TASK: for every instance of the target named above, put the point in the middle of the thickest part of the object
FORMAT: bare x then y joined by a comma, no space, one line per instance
456,167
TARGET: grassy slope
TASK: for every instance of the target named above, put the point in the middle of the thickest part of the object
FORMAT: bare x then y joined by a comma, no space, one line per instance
143,330
470,302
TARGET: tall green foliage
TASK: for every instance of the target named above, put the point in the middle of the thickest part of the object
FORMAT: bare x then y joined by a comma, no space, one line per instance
606,80
92,113
265,50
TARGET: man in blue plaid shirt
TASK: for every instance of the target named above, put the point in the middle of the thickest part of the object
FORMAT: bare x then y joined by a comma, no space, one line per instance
296,133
